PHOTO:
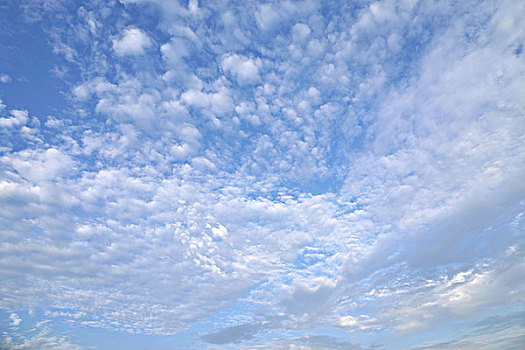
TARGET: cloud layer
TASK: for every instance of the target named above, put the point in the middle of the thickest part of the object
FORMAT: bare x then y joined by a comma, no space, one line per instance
271,175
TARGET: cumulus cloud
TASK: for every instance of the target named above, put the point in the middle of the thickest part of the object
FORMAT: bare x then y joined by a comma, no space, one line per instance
41,165
300,32
132,42
267,16
243,69
17,118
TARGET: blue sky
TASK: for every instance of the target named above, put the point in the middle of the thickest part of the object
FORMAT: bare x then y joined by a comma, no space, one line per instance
262,175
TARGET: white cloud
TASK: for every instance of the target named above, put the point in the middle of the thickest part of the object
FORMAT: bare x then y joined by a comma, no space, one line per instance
490,333
39,338
193,5
362,322
300,32
315,48
5,78
174,51
15,320
243,69
267,17
41,165
132,42
203,163
358,172
222,103
18,117
462,296
308,342
98,86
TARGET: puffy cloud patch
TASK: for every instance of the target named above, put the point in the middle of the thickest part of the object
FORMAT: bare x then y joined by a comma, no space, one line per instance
5,78
267,16
300,32
245,70
132,42
17,118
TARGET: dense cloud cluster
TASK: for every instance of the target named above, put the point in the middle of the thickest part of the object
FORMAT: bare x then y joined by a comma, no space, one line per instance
278,175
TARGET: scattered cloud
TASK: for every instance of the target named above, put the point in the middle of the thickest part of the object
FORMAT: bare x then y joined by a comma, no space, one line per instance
38,339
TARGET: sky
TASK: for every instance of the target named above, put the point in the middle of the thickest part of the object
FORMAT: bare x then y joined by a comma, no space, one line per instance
262,175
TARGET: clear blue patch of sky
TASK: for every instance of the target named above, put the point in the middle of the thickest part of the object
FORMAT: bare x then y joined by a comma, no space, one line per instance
27,57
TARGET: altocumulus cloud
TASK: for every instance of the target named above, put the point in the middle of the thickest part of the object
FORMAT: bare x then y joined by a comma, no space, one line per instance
263,175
